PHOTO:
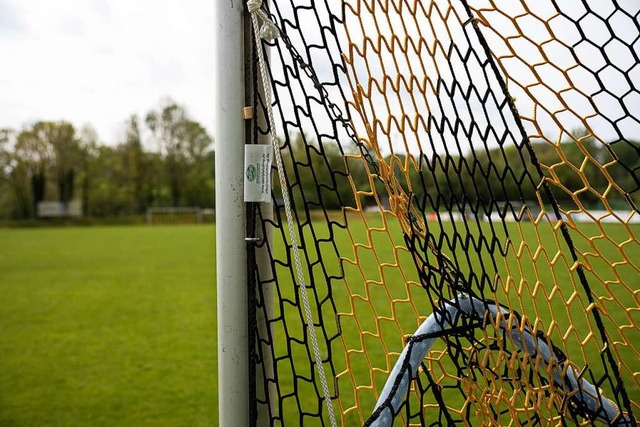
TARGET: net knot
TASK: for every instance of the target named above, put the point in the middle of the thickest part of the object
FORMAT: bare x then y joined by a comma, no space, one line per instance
268,30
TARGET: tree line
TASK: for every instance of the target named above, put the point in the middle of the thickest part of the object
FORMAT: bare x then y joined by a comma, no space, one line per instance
321,175
584,172
167,159
164,159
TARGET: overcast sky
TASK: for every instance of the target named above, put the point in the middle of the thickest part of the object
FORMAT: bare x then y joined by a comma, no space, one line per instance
99,61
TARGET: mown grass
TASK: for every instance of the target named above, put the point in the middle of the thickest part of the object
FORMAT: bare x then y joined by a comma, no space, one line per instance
115,326
107,326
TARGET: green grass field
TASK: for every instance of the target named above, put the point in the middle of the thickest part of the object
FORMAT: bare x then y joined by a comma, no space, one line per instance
115,326
108,326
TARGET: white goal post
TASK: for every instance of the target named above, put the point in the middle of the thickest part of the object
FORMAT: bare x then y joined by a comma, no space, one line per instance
175,215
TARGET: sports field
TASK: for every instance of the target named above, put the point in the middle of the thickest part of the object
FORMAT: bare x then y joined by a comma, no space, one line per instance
115,326
108,326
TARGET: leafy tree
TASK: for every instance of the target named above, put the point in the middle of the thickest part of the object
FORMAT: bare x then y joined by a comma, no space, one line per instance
89,151
43,151
182,144
137,167
6,135
33,155
67,155
199,188
7,166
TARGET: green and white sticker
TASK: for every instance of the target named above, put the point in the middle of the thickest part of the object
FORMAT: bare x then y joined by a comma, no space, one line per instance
257,173
252,172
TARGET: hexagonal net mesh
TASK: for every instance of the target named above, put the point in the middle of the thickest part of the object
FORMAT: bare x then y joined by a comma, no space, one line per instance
465,180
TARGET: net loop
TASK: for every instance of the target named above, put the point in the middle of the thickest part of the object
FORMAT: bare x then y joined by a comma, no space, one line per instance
268,30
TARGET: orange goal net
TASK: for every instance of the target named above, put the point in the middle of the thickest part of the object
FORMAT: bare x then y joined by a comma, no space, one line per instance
463,179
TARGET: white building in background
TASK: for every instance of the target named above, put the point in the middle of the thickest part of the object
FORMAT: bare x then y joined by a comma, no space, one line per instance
58,209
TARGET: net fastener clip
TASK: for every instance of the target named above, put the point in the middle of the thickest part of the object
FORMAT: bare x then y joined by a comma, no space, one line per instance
252,239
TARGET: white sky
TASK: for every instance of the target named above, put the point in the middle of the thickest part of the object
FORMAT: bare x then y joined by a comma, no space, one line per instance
99,61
